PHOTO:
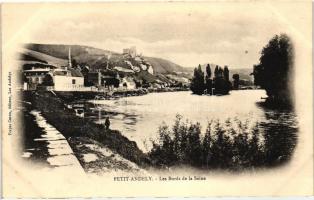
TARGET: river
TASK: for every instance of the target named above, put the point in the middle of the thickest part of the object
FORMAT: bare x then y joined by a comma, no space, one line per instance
139,117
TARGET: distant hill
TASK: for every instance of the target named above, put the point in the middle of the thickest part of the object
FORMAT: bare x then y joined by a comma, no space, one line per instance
162,66
149,69
97,58
35,56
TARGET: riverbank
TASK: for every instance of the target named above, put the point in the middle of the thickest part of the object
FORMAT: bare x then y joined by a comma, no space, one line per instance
56,113
70,96
98,159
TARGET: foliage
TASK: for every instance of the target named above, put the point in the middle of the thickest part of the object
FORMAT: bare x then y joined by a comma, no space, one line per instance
48,81
208,71
274,72
208,80
228,145
220,82
75,64
221,86
112,82
236,81
197,83
226,73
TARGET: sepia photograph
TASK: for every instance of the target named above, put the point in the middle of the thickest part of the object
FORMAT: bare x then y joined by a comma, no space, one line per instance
157,99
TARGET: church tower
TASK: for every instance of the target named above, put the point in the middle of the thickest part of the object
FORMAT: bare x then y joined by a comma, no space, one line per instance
69,57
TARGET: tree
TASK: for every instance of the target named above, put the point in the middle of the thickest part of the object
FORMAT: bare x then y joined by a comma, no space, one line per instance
193,150
274,72
216,72
197,83
74,63
208,71
226,73
48,80
222,84
220,72
208,79
206,152
236,80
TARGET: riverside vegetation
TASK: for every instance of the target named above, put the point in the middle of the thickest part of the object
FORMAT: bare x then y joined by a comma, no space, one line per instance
231,145
218,85
275,71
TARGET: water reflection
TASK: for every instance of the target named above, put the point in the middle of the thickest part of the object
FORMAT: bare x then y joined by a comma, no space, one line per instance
138,118
280,135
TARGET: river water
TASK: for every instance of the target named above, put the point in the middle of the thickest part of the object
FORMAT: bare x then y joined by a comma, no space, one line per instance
139,117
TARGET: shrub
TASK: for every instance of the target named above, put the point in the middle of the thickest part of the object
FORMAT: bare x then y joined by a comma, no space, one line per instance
227,145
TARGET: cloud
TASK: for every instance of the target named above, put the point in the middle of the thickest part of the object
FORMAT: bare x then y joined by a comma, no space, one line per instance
186,36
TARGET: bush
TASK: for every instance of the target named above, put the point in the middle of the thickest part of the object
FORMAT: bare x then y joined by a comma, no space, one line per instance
227,145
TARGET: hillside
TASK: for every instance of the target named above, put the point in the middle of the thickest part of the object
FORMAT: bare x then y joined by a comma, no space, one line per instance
30,55
162,66
98,58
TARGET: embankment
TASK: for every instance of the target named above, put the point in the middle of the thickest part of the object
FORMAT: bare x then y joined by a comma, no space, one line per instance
70,125
81,95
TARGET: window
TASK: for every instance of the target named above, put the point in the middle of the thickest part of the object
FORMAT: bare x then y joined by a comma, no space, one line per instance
73,81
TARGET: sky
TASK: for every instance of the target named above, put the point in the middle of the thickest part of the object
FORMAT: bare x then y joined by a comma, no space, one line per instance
230,34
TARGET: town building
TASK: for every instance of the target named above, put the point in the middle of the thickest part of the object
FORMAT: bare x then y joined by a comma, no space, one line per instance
130,51
127,83
48,77
67,80
35,76
94,78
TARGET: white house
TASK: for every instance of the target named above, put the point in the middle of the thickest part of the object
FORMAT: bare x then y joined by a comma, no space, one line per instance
68,80
127,83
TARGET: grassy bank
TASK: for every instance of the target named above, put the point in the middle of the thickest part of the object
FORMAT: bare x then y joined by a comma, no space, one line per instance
97,158
65,121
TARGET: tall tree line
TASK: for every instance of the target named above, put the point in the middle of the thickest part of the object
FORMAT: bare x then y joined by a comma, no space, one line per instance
204,83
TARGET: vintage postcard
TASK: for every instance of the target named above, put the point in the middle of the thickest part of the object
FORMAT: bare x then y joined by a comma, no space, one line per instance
157,99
